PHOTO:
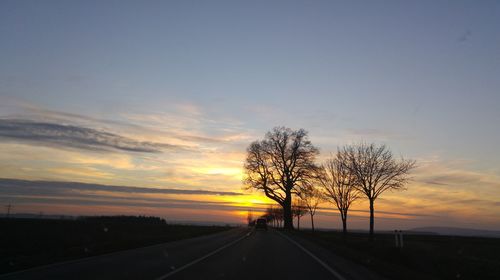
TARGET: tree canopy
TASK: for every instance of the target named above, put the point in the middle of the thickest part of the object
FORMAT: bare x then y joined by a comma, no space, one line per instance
279,165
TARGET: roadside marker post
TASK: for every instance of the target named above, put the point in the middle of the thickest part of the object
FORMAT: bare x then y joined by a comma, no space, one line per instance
398,238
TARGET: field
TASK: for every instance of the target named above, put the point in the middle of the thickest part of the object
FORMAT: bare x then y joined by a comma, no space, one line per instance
26,243
422,257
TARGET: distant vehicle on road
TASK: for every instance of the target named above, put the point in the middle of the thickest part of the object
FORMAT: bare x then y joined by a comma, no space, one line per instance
261,223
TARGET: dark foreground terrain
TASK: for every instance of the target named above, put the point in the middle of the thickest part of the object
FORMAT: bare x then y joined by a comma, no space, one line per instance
238,253
197,252
27,243
422,257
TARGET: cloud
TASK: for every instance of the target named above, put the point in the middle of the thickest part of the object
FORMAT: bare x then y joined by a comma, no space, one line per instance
453,179
431,182
64,195
26,192
24,110
451,189
456,175
194,130
130,202
74,136
407,214
183,124
26,187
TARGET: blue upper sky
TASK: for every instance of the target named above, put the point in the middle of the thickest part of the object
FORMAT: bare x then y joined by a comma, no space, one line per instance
428,69
422,76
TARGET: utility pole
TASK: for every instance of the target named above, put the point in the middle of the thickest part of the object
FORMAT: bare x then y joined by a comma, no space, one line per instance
8,210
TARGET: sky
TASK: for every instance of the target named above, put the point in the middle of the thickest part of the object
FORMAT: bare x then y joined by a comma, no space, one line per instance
125,98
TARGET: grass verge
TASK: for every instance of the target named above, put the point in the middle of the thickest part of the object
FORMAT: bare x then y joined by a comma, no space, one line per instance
423,256
26,243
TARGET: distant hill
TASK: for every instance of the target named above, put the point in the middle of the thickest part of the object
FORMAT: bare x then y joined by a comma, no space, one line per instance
458,231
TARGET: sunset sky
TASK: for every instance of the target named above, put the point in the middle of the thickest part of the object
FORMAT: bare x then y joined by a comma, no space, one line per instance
153,103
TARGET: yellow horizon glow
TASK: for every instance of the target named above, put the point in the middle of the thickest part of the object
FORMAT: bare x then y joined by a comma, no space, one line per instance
224,172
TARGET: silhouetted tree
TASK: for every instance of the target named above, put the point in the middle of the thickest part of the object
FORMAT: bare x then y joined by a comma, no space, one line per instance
275,215
268,218
339,186
311,198
279,165
249,217
375,171
279,216
270,215
299,209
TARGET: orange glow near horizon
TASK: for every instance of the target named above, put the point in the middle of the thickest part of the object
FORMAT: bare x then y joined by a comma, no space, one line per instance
449,200
248,200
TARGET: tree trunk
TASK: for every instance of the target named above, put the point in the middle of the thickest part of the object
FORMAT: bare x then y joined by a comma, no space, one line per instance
312,222
344,223
287,218
287,212
371,218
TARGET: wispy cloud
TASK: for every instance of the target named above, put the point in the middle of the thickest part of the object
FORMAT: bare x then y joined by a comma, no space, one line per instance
73,136
406,214
181,124
54,195
455,175
14,186
451,189
57,192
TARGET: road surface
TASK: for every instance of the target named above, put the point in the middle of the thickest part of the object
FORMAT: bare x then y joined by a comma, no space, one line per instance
235,254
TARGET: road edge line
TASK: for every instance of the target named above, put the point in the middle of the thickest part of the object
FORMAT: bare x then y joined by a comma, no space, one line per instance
202,258
322,263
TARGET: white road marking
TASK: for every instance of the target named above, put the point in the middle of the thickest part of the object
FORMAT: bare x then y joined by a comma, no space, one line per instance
327,267
202,258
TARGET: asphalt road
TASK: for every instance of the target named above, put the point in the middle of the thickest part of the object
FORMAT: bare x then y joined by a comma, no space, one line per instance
235,254
261,255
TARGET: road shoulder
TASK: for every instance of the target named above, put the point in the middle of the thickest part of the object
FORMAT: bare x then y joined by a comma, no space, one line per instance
346,268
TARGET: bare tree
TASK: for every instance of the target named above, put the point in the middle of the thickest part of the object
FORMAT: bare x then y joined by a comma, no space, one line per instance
311,198
270,215
339,186
278,214
274,215
299,209
376,171
249,217
279,165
